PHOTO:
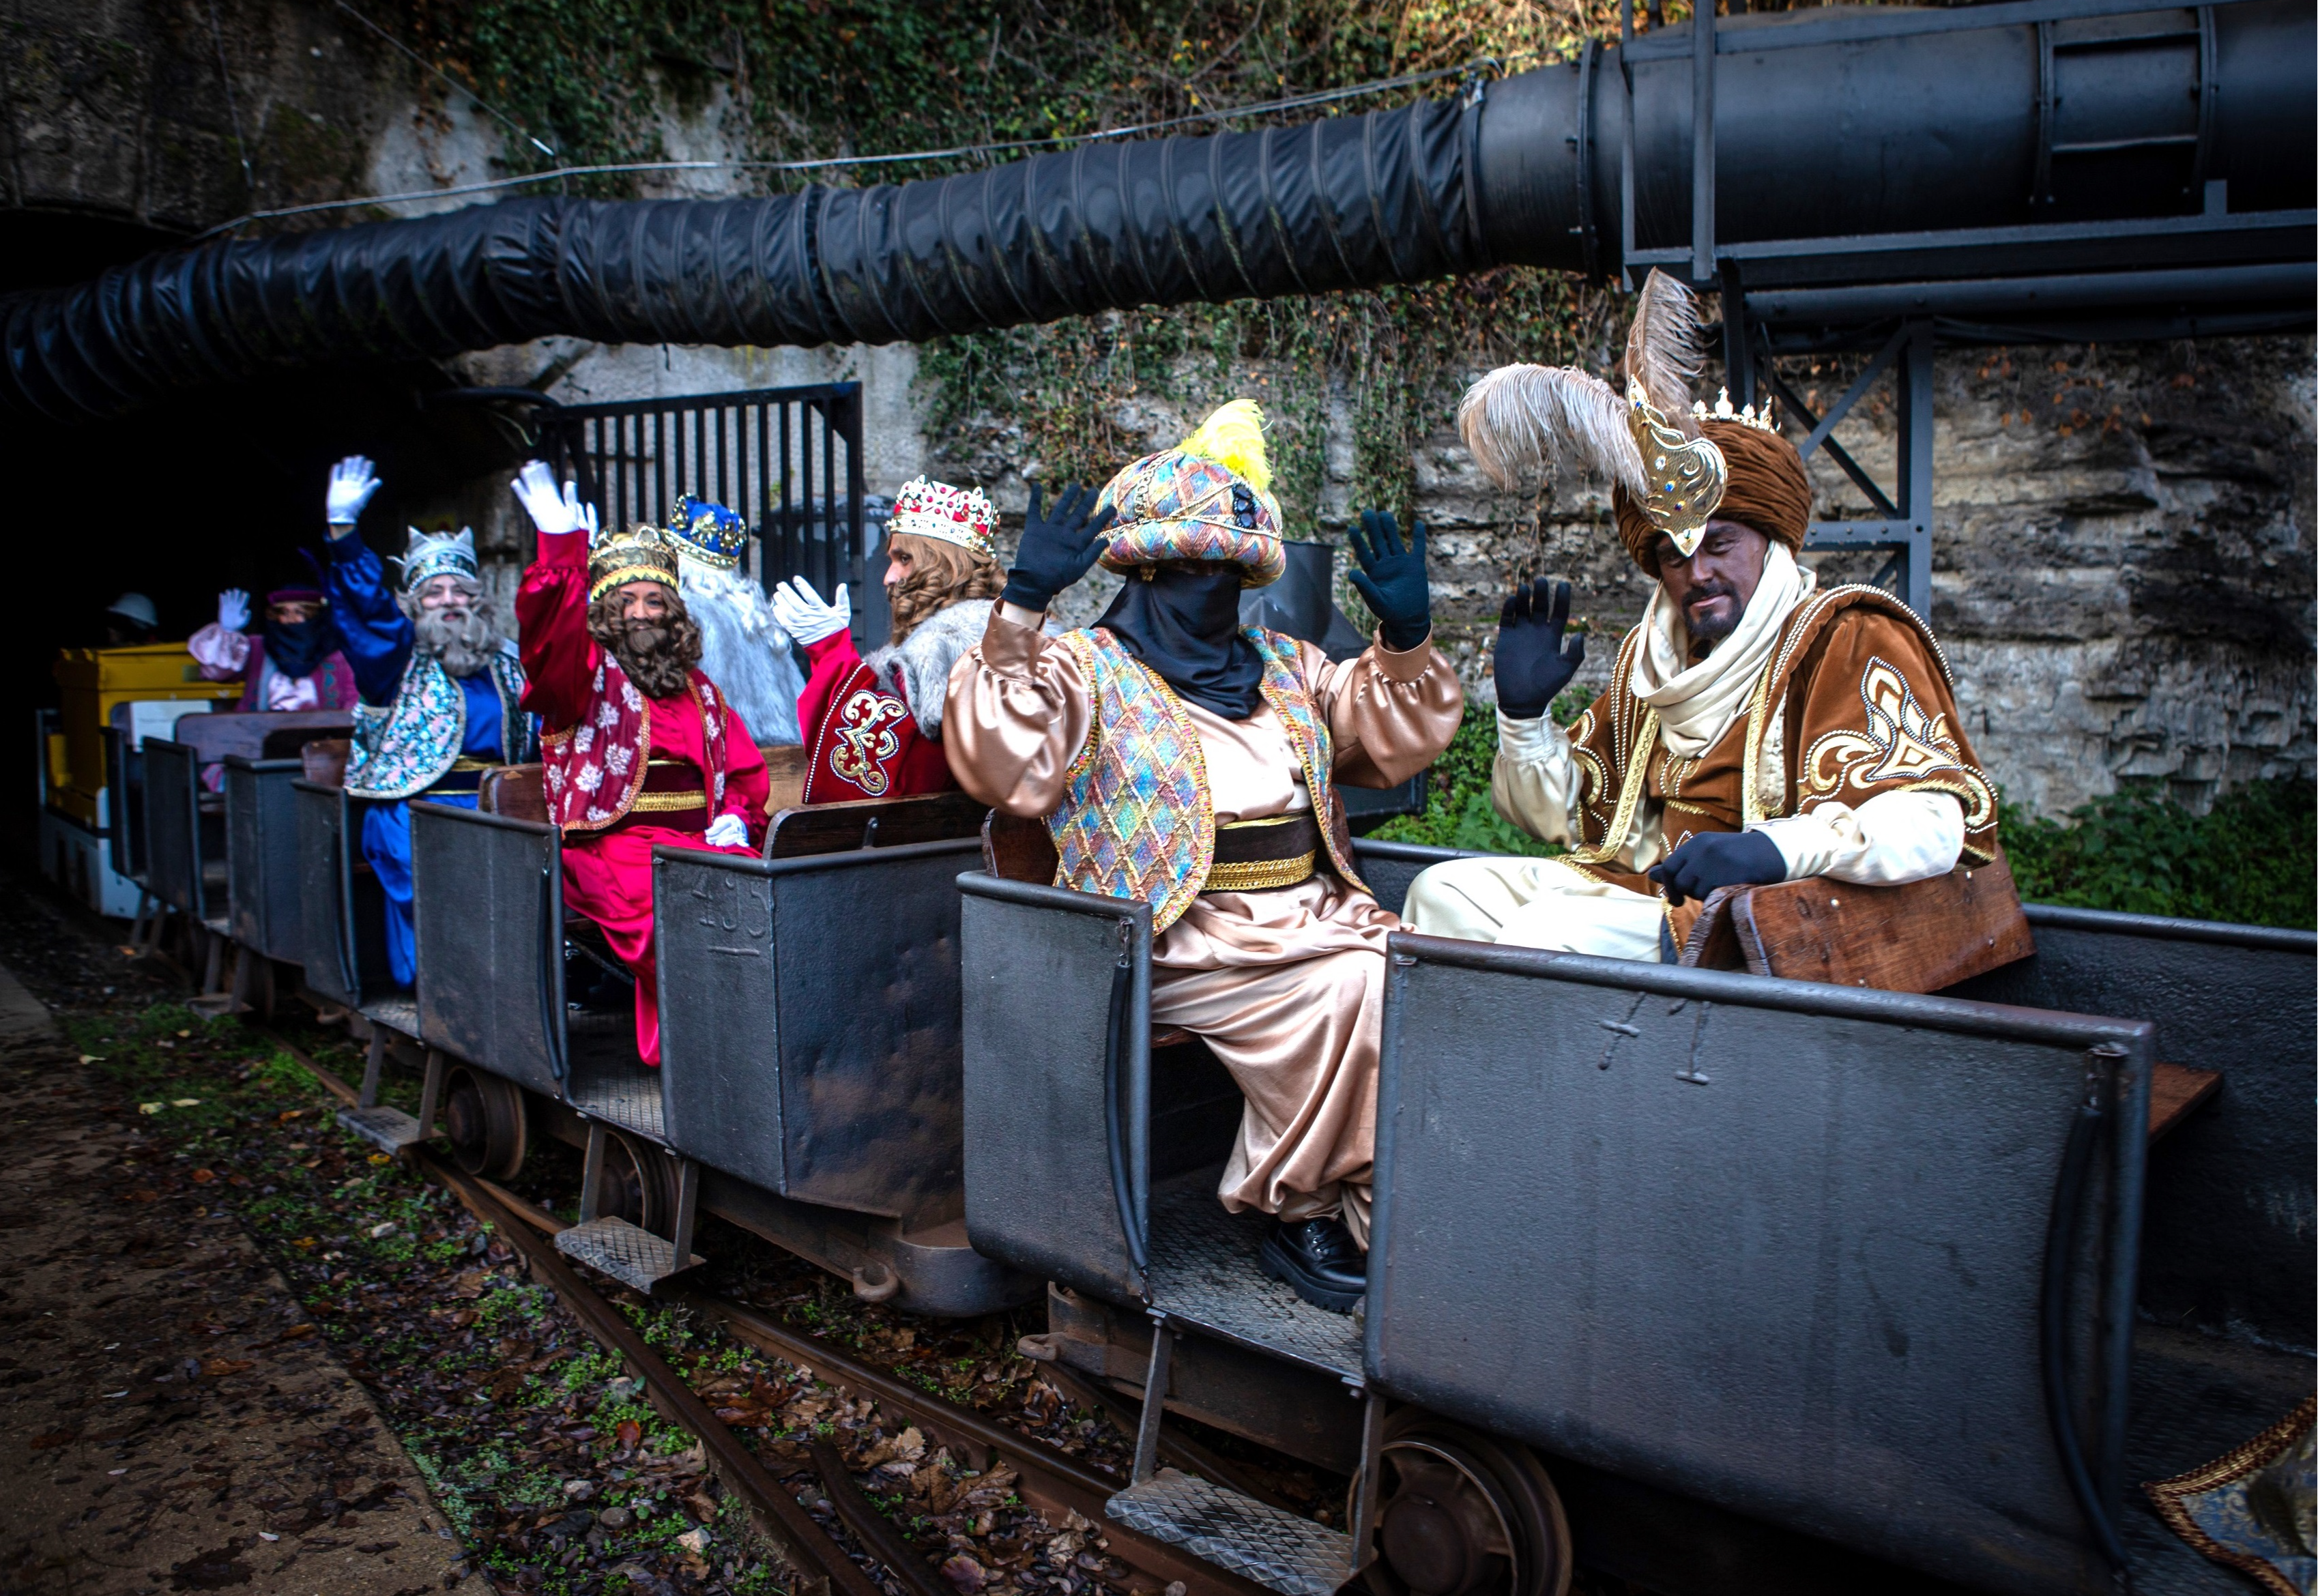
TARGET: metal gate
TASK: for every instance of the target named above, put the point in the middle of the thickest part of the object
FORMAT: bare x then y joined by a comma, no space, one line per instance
787,460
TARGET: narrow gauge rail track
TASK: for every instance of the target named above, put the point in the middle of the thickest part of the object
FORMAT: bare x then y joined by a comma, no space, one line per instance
1051,1484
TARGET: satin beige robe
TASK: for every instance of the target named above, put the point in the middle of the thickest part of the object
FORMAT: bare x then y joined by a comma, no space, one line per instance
1286,987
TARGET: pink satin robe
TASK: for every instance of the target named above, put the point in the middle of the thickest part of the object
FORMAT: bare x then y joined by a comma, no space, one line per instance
1286,987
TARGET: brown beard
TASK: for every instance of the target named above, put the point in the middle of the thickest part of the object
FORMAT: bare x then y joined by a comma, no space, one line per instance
657,655
940,574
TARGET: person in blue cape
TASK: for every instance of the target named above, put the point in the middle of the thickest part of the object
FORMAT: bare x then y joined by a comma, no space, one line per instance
440,687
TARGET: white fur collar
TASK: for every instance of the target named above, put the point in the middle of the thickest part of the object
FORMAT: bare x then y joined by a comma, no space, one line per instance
922,660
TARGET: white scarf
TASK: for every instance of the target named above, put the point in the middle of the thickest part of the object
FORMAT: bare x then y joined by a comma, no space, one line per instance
1697,702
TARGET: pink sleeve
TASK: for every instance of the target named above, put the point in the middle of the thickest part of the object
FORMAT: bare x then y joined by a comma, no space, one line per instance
551,612
221,651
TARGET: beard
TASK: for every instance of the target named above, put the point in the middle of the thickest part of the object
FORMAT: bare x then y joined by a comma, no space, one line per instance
1711,630
658,655
463,640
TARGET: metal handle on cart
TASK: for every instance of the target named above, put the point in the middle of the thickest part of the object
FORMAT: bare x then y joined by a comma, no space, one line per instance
2053,1328
550,972
1122,992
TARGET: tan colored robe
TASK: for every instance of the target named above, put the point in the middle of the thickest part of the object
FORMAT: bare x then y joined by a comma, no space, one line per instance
1286,987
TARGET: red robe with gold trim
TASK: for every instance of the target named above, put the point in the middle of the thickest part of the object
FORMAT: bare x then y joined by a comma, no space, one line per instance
863,737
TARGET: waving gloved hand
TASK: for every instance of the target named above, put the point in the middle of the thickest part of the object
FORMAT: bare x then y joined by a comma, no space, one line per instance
1719,859
803,614
1533,664
1391,579
553,512
233,609
353,481
1056,550
727,830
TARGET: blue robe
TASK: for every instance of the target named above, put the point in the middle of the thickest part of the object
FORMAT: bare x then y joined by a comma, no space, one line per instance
378,639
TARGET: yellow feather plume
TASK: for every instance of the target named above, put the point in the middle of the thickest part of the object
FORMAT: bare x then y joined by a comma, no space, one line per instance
1234,434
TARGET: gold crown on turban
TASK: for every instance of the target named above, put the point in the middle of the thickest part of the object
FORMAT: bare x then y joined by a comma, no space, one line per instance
643,554
1652,443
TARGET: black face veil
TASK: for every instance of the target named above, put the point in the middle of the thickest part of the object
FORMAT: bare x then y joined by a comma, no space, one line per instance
1183,623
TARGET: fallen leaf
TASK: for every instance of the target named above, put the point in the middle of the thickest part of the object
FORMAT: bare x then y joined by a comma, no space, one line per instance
285,1119
304,1241
204,1176
379,1232
143,1193
695,1540
54,1437
965,1573
214,1367
150,1107
380,1158
745,1416
90,1058
628,1432
185,1102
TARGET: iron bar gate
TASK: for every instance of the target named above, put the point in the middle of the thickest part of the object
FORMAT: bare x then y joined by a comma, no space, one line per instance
786,460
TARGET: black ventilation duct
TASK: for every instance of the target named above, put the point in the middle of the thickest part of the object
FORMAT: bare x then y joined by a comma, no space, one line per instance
1847,146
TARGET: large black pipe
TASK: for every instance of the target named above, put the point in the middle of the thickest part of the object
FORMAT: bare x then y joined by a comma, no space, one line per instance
2045,116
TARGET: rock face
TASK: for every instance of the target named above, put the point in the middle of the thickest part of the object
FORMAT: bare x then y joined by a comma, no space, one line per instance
2123,574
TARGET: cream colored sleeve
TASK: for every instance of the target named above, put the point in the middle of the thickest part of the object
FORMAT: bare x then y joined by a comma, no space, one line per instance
1889,840
1534,781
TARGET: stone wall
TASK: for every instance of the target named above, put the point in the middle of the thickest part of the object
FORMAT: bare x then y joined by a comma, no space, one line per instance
2123,569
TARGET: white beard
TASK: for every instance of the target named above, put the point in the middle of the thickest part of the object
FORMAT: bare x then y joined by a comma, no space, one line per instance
742,650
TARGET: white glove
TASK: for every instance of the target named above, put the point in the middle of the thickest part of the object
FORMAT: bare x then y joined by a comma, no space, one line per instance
553,512
728,830
353,481
233,609
805,617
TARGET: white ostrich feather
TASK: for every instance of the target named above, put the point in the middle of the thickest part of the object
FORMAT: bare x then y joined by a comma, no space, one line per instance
1524,417
1663,348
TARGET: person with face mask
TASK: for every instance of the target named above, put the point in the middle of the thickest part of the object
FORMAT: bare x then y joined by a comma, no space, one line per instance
1756,728
293,663
1181,760
641,749
440,689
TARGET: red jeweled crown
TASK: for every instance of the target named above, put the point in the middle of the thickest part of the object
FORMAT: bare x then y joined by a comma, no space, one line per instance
960,516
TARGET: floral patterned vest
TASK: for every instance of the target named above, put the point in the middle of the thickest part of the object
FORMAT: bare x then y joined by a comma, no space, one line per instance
596,768
406,748
1137,820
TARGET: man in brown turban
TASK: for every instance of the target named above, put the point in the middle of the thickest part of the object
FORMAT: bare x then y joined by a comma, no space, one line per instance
1756,728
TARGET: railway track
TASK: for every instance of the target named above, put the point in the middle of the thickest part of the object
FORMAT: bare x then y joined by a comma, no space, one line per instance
1054,1484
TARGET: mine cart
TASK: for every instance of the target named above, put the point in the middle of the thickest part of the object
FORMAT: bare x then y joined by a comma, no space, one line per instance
809,1044
1718,1281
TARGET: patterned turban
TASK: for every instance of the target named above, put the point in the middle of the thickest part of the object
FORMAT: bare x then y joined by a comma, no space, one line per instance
1207,499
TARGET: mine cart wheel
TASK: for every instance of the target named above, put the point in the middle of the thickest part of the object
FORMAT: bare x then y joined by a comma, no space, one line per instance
486,1118
639,1184
1461,1514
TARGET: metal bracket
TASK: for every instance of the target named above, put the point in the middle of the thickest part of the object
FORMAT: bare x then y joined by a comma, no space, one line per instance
687,1205
1364,1485
373,1066
430,1095
1155,1399
591,1171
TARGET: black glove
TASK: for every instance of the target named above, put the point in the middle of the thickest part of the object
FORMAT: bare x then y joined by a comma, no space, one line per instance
1533,664
1056,550
1391,578
1712,859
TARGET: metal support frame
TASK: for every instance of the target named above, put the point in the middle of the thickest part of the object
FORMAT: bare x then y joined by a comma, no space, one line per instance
430,1095
1155,1399
687,1207
591,1171
1904,532
1364,1485
373,1068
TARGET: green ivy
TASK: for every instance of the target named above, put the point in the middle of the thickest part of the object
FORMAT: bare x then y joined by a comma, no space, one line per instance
1458,811
2252,859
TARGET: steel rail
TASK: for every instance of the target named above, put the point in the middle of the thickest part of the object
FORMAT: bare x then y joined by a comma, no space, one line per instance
1050,1482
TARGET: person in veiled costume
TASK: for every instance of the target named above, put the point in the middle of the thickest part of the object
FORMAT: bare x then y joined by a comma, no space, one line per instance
1265,943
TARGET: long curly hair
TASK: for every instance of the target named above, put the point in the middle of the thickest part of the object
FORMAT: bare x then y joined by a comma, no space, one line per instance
656,655
940,574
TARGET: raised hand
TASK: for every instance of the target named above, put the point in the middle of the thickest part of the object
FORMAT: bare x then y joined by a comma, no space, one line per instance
1712,859
550,511
1391,579
1533,664
233,609
727,830
1056,550
353,481
805,616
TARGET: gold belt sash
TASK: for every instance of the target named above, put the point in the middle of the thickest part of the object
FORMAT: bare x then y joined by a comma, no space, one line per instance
666,791
1264,856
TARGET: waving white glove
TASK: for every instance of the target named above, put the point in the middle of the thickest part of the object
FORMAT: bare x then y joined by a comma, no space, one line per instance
553,512
233,609
728,830
803,614
353,481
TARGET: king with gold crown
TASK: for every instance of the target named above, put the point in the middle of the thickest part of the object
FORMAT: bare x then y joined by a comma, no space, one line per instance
1180,758
642,748
1756,728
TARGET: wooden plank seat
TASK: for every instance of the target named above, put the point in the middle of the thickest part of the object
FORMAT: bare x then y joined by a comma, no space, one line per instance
2175,1092
325,759
276,734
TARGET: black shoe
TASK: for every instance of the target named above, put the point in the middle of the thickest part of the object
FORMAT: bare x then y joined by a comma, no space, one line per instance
1319,1260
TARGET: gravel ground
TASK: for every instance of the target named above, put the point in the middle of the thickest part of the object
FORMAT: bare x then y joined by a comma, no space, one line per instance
534,1462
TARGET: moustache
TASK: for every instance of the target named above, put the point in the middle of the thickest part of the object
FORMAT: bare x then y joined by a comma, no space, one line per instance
1706,590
